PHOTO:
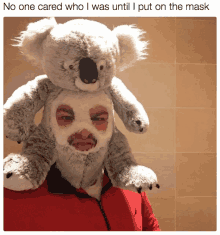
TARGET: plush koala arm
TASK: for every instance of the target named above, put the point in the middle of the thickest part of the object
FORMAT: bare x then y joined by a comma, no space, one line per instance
20,109
130,111
122,168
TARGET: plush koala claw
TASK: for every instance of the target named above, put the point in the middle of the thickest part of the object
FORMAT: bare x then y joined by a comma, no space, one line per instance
138,122
139,189
138,178
8,175
18,142
16,182
137,126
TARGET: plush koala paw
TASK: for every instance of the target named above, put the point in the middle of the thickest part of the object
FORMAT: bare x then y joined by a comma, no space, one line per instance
136,124
16,182
138,179
14,174
141,127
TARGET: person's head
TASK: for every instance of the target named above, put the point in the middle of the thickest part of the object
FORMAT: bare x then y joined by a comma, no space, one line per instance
83,140
83,122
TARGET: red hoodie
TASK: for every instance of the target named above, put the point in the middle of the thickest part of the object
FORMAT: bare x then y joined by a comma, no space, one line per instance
58,206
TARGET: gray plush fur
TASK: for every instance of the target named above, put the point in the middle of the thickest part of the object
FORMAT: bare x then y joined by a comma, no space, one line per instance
55,47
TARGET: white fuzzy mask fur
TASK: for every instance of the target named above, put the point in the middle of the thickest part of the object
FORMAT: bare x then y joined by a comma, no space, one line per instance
81,168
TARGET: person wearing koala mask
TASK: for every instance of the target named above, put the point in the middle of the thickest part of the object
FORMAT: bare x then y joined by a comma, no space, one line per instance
77,135
77,59
82,133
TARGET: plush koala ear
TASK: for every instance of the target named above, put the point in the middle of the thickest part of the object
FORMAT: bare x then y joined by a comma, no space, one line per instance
30,41
131,47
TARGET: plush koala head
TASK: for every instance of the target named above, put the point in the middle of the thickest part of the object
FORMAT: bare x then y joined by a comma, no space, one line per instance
81,54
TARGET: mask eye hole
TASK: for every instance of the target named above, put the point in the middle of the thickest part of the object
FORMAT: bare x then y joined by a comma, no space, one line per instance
64,115
99,117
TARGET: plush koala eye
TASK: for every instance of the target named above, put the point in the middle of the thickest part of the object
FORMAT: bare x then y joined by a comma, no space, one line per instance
68,65
101,64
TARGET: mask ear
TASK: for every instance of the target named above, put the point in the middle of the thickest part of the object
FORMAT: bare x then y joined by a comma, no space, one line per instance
131,47
30,41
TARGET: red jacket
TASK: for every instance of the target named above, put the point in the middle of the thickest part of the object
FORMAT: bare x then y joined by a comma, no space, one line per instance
57,206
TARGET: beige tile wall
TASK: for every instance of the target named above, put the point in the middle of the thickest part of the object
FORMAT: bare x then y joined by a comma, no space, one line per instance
177,86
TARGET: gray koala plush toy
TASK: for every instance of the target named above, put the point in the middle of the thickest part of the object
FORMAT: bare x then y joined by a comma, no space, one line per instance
79,93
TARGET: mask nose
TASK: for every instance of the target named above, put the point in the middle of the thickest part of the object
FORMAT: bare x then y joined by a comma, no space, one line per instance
82,140
84,134
88,71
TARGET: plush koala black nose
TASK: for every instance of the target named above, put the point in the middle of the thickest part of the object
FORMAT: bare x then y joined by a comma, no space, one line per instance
88,71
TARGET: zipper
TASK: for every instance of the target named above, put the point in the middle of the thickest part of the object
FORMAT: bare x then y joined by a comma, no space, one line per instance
104,215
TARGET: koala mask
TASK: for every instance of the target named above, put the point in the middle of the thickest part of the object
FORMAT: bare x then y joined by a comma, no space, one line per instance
82,122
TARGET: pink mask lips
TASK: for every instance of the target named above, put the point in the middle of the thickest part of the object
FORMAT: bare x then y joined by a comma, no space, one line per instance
82,144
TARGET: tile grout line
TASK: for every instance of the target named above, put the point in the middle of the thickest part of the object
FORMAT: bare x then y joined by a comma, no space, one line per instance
179,63
175,116
196,196
180,108
175,152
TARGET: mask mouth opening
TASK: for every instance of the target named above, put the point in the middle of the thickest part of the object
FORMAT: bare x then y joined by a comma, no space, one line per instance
82,144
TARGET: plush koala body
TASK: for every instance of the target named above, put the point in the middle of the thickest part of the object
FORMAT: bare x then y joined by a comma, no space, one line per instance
80,59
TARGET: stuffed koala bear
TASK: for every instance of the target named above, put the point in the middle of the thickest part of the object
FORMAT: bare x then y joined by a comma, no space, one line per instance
79,93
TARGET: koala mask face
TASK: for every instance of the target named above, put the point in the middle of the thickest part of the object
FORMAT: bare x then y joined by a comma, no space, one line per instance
77,56
82,127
